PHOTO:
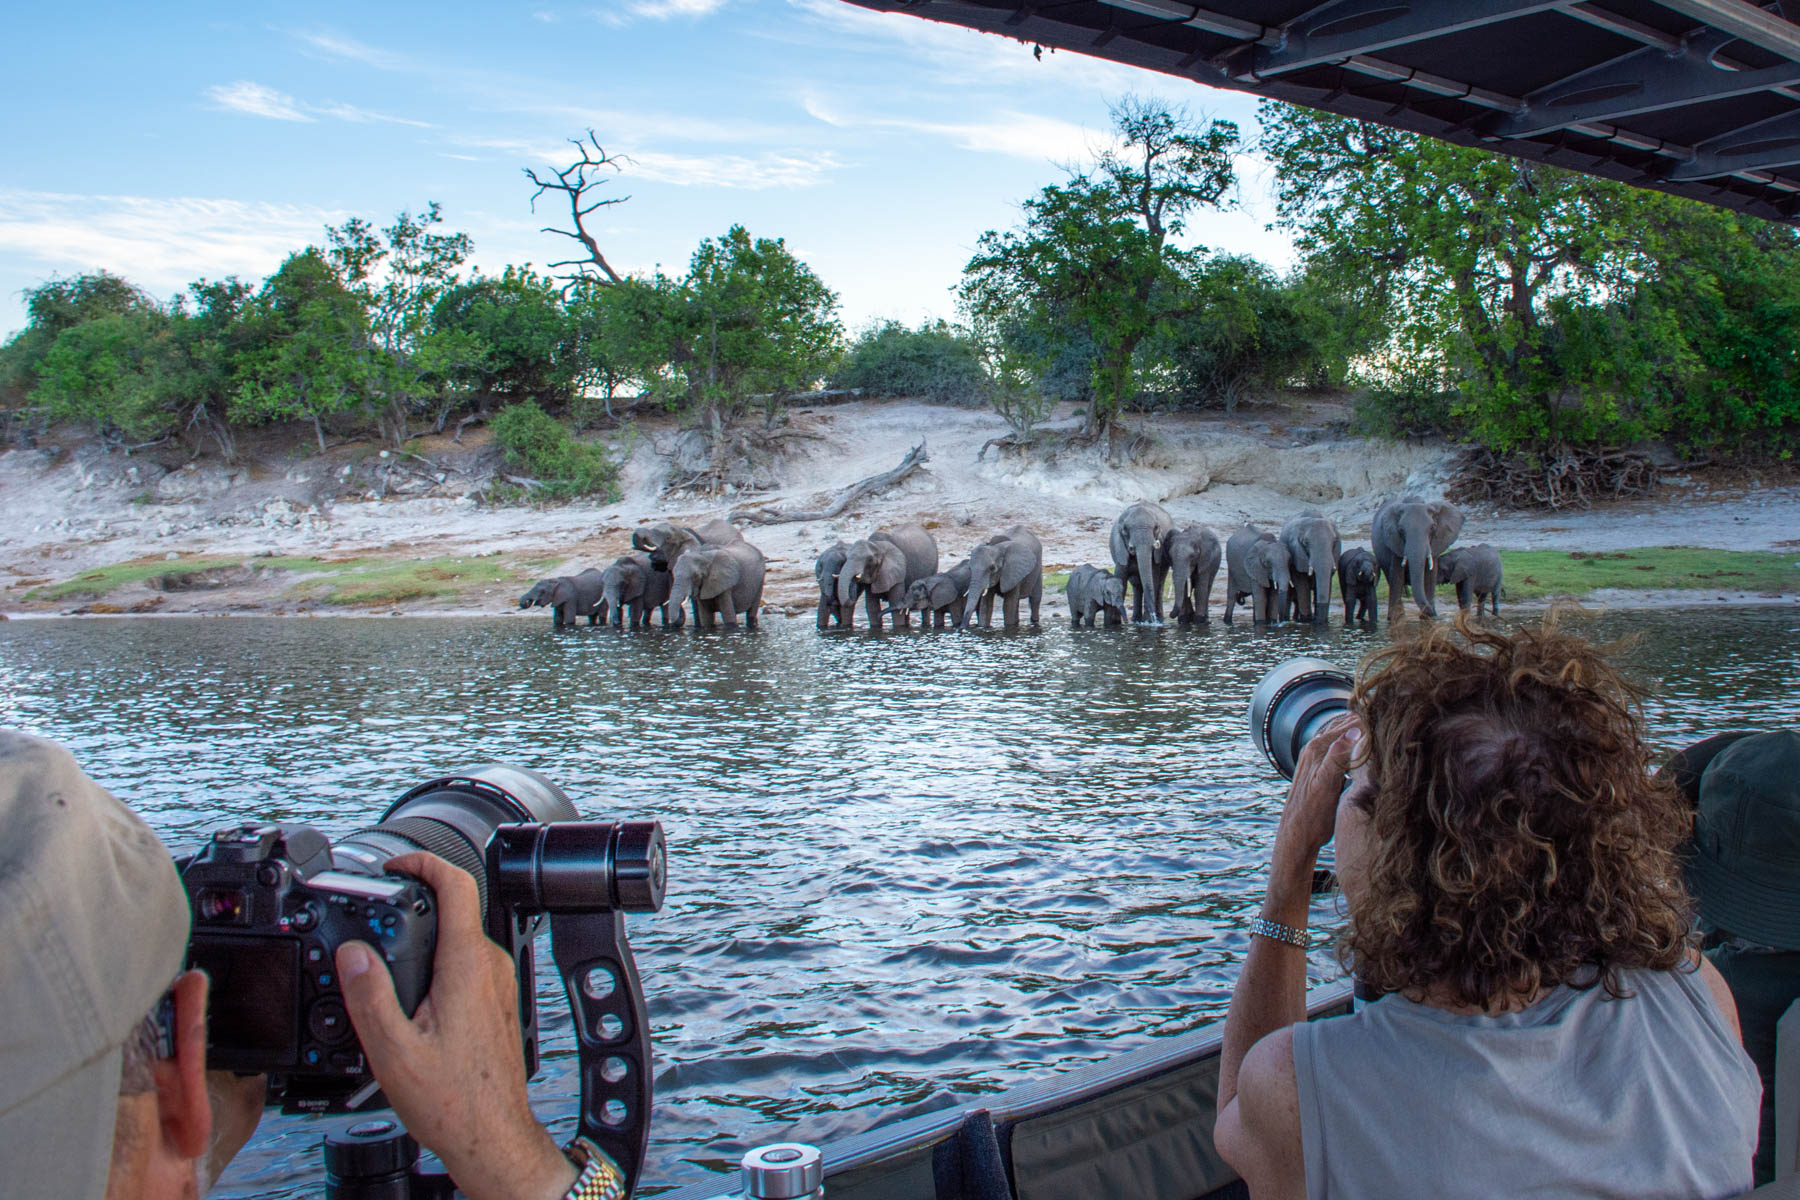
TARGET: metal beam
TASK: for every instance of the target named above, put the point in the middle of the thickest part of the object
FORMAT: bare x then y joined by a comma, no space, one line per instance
1643,81
1207,22
1599,18
1352,27
1763,146
1743,20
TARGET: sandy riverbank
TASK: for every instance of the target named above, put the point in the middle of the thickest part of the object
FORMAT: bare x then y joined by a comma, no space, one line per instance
313,519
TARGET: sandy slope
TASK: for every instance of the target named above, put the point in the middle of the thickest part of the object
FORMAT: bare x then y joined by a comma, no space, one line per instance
91,510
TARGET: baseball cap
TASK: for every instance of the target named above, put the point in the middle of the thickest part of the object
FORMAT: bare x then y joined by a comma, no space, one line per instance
1744,861
93,930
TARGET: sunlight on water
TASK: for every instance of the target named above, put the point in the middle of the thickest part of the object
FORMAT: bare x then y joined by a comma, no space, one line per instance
904,869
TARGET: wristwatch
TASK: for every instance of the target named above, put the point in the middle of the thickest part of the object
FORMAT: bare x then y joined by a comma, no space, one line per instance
599,1177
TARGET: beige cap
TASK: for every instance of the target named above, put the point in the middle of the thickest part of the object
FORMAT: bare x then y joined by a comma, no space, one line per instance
93,930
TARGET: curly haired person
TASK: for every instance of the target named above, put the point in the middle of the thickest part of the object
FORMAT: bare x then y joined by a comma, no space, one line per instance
1510,868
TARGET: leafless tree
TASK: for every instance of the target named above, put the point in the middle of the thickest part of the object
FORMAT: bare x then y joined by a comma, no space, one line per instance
579,182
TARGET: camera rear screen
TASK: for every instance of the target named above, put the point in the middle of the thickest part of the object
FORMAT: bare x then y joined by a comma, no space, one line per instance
253,1015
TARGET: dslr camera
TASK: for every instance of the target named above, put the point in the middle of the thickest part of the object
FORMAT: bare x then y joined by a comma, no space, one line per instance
272,902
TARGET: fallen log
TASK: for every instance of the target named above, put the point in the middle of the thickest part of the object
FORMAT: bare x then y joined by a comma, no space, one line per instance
915,458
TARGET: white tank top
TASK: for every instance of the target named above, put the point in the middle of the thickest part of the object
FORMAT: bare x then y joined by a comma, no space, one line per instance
1579,1095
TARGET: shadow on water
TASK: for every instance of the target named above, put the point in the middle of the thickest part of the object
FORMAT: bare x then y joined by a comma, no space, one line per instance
906,867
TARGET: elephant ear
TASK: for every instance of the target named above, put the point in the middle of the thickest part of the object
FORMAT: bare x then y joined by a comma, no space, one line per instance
1121,550
721,576
1015,566
890,574
1446,523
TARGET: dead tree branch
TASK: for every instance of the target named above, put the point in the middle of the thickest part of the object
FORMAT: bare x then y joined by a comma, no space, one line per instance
915,458
576,183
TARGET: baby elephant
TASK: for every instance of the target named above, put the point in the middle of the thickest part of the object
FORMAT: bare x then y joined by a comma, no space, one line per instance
941,595
1359,578
1473,569
1092,592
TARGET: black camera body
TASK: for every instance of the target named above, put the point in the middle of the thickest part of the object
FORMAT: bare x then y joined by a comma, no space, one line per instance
270,912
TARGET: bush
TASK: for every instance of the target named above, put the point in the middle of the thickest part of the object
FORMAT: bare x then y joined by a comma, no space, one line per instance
1408,409
538,445
933,362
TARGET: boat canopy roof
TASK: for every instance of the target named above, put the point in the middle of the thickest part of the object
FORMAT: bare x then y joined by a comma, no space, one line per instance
1699,98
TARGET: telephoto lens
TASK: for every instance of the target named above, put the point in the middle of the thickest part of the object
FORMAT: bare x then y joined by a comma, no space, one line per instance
1292,704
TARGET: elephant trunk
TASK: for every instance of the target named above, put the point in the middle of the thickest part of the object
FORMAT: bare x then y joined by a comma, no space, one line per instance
1147,588
1421,569
1322,590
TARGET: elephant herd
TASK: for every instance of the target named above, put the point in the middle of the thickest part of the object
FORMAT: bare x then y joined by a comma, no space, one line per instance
1285,575
894,573
711,568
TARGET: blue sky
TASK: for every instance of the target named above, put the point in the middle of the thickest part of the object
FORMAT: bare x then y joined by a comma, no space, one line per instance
173,142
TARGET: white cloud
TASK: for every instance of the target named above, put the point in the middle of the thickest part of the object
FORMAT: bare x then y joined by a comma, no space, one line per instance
734,170
1019,135
255,100
363,116
160,243
656,10
333,45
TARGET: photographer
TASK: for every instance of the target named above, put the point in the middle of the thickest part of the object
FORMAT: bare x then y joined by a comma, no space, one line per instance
1510,871
103,1086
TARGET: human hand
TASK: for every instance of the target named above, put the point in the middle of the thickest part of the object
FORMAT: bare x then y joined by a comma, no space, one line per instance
1308,819
455,1071
237,1105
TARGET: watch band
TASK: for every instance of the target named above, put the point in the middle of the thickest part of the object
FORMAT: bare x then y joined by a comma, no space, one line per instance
599,1177
1277,932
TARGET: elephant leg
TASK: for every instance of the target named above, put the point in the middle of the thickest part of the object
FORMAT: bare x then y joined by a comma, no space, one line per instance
727,611
1462,593
1010,605
1395,594
1037,598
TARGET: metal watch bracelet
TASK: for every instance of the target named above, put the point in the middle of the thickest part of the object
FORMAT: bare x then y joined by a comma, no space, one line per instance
1275,931
599,1178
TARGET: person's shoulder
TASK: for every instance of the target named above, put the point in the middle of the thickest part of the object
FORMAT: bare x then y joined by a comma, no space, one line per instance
1269,1090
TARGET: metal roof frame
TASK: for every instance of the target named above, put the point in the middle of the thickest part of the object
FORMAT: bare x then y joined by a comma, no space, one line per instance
1700,98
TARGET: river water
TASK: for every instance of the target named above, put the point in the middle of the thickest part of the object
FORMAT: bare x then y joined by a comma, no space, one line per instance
905,869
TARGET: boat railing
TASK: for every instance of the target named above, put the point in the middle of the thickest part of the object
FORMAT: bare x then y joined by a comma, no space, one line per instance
1137,1125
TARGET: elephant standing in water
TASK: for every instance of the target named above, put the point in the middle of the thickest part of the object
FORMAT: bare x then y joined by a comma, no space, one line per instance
1257,569
632,588
720,580
826,570
941,596
1359,577
1092,592
568,597
1193,554
1408,535
1009,565
1473,569
1313,548
1137,552
881,567
665,542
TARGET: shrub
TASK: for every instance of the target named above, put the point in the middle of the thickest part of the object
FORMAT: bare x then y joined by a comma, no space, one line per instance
1406,409
934,362
538,445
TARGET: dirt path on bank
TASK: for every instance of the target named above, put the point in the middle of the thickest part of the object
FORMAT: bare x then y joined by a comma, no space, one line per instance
67,512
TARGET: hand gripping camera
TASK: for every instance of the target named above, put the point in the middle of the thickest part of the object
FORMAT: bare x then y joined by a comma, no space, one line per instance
273,902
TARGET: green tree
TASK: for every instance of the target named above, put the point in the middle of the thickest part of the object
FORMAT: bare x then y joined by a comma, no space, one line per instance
111,373
399,273
1468,251
1099,254
508,336
309,357
936,362
1241,329
52,308
557,465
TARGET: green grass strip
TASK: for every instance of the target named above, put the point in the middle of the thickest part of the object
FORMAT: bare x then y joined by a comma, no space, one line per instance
1533,574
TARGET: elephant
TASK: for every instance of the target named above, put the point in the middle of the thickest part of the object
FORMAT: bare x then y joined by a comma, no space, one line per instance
830,562
1359,578
719,580
1473,569
665,542
1257,569
1092,592
940,595
1009,565
881,567
568,597
1193,554
1408,535
632,588
1313,548
1137,552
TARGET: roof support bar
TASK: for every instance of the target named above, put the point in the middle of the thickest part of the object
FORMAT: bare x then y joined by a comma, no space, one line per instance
1741,19
1759,147
1640,82
1351,27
